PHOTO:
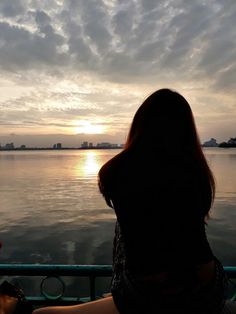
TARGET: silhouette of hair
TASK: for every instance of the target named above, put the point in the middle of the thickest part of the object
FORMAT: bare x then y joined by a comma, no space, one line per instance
164,117
163,126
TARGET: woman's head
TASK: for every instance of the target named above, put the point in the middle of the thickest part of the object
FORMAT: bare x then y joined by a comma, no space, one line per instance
163,128
164,120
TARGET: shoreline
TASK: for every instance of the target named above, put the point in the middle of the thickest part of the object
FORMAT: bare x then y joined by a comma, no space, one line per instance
56,149
88,148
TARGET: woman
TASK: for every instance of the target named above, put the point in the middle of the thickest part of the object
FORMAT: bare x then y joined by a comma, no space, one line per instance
161,189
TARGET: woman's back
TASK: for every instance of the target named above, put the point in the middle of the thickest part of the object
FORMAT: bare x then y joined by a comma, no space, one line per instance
159,206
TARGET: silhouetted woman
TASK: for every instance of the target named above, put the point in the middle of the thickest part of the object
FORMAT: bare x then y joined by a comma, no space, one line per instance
161,189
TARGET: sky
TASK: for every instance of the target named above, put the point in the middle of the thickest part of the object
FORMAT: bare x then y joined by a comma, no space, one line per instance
77,70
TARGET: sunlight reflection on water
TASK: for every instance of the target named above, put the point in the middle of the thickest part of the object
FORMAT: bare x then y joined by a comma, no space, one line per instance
90,166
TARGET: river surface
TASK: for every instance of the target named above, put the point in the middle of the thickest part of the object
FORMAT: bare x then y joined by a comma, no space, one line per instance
52,212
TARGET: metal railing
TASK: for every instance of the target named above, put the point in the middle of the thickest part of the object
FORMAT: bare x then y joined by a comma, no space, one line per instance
92,272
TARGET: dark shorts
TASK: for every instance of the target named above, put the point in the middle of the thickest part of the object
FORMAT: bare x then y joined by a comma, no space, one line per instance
131,297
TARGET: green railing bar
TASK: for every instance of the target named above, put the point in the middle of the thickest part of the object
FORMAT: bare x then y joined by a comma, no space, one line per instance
55,270
70,270
230,271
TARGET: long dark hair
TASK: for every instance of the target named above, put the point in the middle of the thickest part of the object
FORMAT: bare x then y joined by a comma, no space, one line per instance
164,120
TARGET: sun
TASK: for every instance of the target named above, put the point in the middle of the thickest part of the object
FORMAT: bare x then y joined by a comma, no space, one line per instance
86,127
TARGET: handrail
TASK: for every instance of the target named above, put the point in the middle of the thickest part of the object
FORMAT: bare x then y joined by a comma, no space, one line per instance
230,271
57,270
52,270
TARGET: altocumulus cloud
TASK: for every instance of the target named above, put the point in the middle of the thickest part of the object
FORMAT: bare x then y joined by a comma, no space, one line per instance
98,59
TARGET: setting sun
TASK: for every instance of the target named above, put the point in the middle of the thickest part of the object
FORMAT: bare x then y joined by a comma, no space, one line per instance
87,127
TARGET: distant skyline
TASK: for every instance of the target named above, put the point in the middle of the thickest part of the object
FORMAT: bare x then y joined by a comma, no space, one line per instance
72,71
73,142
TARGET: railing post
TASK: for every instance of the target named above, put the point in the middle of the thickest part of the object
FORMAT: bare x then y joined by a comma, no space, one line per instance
92,287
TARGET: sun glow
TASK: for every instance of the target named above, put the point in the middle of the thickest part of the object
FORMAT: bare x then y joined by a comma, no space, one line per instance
91,164
88,164
86,127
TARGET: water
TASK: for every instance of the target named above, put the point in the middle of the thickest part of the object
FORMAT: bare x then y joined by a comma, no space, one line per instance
222,226
51,207
52,212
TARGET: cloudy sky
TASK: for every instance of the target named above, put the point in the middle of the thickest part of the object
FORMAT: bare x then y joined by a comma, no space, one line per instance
71,69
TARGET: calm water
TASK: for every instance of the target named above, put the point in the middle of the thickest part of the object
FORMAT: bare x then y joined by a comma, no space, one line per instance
52,212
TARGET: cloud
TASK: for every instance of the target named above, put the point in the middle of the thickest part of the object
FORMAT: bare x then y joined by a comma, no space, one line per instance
21,50
12,8
100,58
123,39
226,79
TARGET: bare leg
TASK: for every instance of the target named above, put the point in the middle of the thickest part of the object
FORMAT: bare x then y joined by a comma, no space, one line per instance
102,306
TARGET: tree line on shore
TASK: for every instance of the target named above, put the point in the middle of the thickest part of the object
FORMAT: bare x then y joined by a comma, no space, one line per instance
213,143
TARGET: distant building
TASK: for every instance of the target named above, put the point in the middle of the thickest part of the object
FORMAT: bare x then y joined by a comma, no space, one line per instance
84,145
57,146
22,147
107,145
9,146
104,145
211,143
